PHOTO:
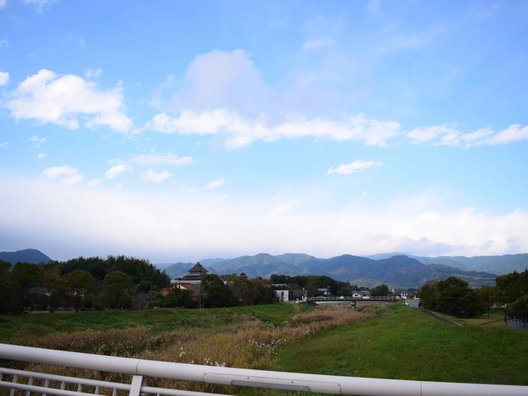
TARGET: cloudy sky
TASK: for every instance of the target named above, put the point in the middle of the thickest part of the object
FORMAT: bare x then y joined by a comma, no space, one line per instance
174,130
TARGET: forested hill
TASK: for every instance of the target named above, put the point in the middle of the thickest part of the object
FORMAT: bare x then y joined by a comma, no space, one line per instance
31,256
81,283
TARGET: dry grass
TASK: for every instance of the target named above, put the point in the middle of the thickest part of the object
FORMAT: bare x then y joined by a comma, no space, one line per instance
249,343
253,344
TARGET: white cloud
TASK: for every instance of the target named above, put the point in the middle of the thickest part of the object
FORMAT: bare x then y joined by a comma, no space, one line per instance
221,79
215,183
36,141
116,170
41,156
424,134
239,132
95,182
3,3
4,78
68,101
194,225
155,177
312,45
511,134
161,159
93,73
66,174
4,145
358,165
39,5
4,43
394,41
449,136
223,94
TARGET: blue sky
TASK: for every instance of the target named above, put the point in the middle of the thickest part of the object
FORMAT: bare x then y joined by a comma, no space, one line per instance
182,130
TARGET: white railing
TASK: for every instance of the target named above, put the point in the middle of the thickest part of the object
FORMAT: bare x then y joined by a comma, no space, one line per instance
141,369
517,323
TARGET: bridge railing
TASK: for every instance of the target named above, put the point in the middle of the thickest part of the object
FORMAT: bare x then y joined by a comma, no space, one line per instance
350,298
140,370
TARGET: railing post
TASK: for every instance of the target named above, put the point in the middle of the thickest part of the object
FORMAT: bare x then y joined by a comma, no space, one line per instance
135,387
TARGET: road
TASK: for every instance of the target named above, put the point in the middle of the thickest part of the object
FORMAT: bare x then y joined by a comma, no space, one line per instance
415,304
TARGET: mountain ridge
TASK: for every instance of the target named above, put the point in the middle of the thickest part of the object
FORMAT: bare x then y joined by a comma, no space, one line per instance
399,270
394,269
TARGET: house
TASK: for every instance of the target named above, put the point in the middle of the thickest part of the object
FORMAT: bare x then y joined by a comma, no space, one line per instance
192,281
282,295
324,291
363,294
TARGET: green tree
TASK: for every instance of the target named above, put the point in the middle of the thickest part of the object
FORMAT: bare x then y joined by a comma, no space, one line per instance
511,287
487,296
56,287
429,295
518,309
241,289
82,288
263,292
452,296
380,290
215,292
117,287
178,298
28,276
11,291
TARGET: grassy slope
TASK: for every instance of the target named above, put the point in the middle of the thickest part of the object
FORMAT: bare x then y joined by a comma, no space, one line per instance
401,343
40,324
406,344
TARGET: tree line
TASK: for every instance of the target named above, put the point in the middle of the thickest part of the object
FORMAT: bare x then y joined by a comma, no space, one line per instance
453,296
312,283
116,282
81,283
219,291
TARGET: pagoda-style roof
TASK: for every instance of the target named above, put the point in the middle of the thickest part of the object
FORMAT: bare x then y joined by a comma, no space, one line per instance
196,273
198,268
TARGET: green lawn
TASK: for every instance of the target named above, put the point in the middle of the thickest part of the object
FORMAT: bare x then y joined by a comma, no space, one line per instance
407,344
156,320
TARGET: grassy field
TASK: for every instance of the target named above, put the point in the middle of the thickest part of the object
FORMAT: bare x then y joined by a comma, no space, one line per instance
389,341
406,344
156,320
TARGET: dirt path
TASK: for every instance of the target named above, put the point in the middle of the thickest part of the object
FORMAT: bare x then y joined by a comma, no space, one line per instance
440,318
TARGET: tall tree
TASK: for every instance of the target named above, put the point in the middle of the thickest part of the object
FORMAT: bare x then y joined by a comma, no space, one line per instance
216,292
11,291
117,287
82,289
452,296
380,290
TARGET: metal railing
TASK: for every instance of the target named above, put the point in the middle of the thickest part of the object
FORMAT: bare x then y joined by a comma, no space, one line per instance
140,370
350,298
516,323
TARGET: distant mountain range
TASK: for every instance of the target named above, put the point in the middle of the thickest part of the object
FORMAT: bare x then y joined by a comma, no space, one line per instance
396,270
32,256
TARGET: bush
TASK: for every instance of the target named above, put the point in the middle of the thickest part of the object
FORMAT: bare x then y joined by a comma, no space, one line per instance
518,309
452,296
